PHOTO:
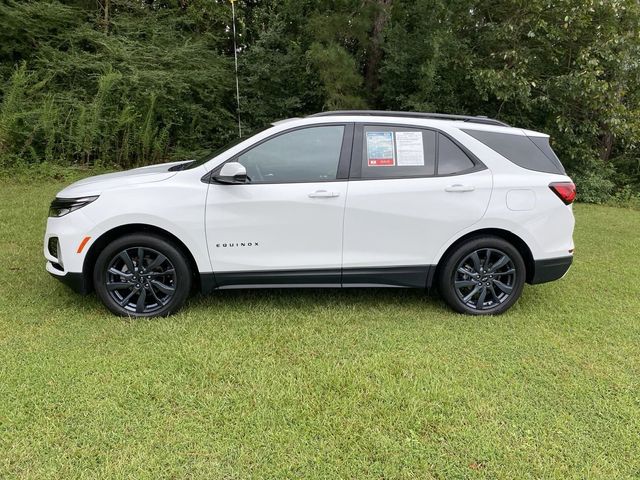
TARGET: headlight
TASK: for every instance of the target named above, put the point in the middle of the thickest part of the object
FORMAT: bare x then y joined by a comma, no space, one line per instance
61,206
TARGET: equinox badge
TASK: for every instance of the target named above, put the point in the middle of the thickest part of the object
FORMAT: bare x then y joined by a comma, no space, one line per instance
241,244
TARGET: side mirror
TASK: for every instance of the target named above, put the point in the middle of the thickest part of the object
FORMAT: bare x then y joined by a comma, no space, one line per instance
232,172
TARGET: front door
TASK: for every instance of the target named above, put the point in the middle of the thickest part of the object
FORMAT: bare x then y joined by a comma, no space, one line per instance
284,226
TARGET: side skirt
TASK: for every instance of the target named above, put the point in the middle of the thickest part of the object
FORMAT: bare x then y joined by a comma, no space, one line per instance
411,277
405,276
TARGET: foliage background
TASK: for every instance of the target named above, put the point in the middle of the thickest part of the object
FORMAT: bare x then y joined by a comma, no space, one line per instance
132,82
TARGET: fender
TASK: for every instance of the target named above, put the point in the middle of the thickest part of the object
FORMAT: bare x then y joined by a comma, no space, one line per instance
195,244
483,226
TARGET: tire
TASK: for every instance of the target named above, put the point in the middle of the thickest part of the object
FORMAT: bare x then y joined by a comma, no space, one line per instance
158,289
483,276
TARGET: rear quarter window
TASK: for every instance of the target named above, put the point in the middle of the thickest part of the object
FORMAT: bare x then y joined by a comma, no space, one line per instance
532,153
451,159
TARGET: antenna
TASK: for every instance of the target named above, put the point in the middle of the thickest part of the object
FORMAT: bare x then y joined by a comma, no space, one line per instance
235,56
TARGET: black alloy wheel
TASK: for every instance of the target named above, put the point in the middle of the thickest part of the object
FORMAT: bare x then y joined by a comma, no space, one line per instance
485,278
482,276
141,280
142,275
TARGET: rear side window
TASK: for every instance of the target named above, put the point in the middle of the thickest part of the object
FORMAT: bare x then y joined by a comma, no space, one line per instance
389,152
520,149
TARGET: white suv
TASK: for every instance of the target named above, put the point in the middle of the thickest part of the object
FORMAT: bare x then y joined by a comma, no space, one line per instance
337,199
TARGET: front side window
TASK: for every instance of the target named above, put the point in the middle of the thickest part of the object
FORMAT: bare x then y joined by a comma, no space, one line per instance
305,155
389,152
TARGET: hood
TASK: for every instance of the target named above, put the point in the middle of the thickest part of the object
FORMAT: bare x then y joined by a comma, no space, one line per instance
99,183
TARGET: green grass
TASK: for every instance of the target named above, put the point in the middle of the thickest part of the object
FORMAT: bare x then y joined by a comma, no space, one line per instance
321,384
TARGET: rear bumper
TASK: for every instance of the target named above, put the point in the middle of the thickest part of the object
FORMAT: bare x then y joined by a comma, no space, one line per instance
550,269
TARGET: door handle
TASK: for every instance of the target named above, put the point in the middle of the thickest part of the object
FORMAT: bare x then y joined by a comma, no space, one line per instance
460,188
323,194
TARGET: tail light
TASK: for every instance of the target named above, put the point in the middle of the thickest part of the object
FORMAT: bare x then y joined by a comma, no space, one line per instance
566,191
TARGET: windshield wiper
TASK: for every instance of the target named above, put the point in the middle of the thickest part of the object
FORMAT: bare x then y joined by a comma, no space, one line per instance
181,166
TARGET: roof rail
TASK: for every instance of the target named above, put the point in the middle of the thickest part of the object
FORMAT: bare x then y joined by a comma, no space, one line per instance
434,116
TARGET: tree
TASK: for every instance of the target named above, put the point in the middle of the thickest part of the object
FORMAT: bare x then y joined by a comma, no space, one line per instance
130,82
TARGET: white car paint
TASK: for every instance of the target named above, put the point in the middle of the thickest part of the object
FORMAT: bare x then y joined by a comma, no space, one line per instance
283,222
427,215
363,223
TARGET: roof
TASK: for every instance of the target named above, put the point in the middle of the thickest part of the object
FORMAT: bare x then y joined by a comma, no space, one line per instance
432,116
424,119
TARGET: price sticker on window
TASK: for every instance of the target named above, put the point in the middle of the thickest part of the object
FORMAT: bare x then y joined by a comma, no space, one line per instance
380,151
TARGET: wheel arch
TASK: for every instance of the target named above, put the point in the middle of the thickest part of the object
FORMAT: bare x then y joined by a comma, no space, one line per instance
107,237
510,237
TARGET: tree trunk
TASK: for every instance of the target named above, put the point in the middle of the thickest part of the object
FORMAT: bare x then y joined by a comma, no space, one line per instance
105,6
606,145
380,19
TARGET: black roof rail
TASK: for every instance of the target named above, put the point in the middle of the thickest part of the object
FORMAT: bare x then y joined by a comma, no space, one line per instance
434,116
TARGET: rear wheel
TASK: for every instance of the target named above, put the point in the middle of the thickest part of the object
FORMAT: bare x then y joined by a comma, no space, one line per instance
142,275
483,276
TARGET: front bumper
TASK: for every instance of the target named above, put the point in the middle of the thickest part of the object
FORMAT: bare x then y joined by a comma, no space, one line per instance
66,260
550,269
73,280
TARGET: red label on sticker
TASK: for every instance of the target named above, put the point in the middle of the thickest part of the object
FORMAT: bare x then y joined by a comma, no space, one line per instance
381,162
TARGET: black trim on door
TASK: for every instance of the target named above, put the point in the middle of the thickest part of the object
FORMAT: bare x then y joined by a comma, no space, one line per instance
330,276
412,277
356,153
403,276
344,164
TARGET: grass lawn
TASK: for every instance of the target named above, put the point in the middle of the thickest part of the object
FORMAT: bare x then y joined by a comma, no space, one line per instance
321,384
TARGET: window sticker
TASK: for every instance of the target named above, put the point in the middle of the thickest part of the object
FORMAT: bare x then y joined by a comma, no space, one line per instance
380,149
410,149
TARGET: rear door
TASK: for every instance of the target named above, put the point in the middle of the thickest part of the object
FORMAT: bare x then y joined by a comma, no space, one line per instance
410,191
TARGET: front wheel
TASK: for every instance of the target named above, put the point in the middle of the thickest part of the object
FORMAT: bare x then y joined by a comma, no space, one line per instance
142,275
483,276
